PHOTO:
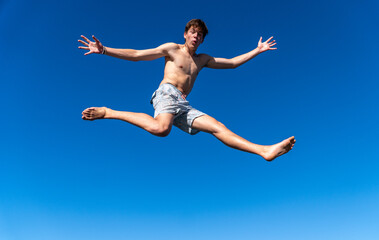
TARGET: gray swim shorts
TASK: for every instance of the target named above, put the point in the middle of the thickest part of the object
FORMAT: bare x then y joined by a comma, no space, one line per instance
168,99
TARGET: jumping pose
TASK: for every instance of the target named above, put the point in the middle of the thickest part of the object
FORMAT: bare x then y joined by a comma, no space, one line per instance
182,65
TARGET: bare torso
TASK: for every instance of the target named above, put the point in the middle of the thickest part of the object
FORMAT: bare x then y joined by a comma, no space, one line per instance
182,68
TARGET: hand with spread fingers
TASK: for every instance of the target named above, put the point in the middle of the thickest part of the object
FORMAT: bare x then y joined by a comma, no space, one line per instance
267,45
93,47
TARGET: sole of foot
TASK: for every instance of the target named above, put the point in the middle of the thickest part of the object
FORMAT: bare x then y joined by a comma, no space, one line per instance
94,113
279,149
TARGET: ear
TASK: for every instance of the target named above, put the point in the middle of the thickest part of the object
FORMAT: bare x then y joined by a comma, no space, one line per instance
185,35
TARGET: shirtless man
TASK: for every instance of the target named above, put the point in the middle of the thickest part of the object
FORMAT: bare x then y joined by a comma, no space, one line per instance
182,65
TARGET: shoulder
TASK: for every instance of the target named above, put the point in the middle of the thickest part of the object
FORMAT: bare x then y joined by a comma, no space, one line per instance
205,57
169,46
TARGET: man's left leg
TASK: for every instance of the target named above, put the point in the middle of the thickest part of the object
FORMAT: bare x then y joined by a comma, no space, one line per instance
210,125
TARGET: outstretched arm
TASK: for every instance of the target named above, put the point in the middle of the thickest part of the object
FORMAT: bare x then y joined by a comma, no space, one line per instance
223,63
126,54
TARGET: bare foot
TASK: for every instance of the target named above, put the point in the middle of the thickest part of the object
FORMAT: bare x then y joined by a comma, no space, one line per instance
279,149
94,113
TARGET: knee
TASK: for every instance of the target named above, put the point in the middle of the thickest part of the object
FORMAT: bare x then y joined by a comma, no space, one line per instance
163,133
218,127
160,131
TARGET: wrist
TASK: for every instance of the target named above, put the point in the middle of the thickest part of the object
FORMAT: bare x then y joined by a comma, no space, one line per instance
104,50
256,51
259,50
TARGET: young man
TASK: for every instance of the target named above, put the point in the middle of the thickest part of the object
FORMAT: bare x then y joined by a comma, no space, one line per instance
182,65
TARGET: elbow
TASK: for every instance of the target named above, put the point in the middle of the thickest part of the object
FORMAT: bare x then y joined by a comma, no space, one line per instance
234,64
131,59
133,56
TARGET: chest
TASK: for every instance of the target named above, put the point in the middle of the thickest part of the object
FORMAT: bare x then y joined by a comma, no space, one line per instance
187,63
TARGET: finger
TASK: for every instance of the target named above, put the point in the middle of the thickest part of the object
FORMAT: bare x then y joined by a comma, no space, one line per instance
94,38
272,44
83,42
87,53
260,39
273,48
85,38
269,39
86,48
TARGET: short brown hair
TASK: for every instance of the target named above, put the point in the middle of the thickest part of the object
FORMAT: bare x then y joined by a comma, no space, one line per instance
197,23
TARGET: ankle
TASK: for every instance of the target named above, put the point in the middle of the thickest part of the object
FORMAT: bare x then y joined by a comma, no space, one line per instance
266,153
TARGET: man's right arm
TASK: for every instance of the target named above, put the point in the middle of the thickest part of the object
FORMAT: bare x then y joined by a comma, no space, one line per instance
140,55
127,54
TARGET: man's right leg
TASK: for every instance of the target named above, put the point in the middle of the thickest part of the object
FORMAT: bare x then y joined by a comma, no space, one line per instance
159,126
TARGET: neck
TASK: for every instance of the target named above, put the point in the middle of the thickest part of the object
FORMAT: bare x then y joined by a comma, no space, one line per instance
191,51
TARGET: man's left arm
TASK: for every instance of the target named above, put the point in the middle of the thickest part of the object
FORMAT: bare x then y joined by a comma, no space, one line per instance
224,63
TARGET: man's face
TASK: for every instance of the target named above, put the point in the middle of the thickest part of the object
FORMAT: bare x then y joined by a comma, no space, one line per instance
194,37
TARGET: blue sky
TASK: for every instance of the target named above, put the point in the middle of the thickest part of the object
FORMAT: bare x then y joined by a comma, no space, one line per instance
65,178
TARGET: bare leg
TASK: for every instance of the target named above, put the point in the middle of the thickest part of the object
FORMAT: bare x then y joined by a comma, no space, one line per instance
159,126
209,124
